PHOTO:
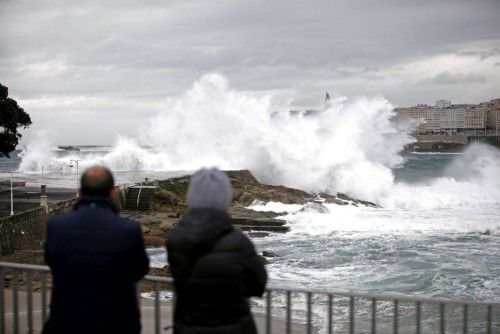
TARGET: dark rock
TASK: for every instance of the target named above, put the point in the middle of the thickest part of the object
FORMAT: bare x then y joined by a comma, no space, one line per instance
258,234
314,207
269,254
169,197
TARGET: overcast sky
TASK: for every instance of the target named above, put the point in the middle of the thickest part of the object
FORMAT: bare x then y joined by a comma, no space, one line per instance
95,69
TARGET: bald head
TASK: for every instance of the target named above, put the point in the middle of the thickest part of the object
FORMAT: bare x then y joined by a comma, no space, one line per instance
97,181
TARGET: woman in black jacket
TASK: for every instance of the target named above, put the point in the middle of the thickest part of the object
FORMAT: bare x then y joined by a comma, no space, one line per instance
215,267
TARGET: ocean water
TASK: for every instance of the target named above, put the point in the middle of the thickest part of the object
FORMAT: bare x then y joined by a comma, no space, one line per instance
437,233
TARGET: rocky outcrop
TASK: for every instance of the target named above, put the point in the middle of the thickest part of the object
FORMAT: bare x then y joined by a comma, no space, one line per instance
169,204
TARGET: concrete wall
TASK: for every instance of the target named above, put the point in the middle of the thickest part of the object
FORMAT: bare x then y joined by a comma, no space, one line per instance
442,138
26,230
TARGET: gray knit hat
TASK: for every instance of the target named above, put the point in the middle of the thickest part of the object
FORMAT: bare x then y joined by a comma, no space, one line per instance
209,189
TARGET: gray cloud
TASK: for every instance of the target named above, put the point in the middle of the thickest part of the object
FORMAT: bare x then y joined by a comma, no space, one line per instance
125,57
482,54
447,78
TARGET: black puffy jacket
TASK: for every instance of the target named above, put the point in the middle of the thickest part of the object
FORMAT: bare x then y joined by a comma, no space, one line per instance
215,269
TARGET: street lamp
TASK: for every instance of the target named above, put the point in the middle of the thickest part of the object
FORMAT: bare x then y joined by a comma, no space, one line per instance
12,191
11,195
71,165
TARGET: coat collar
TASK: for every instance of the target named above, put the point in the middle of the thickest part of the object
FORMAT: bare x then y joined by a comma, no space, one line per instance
102,202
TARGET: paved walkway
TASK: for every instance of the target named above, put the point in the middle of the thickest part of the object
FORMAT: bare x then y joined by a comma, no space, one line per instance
147,316
27,198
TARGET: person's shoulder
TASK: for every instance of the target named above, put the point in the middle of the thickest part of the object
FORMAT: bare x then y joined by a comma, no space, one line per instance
237,241
61,219
130,225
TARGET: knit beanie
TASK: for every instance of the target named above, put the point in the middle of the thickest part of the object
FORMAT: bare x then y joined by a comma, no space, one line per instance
209,189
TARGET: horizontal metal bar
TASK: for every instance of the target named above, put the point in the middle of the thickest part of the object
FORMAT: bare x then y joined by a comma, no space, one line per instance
162,279
159,279
390,297
24,266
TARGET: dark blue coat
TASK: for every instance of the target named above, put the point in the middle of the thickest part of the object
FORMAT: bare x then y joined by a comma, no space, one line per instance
95,257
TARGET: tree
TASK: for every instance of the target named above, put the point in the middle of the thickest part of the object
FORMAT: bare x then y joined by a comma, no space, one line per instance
12,116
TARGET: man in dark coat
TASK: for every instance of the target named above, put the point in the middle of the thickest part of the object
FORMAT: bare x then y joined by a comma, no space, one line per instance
215,267
95,257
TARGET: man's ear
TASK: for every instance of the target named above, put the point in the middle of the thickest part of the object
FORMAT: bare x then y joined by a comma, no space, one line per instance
79,193
113,194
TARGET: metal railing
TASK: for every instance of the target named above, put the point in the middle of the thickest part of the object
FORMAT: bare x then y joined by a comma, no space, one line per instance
281,310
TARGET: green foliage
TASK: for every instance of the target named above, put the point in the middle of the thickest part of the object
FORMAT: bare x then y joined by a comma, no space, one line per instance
12,116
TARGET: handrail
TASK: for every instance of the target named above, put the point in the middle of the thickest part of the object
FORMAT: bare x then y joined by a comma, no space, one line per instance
391,297
351,317
163,279
139,197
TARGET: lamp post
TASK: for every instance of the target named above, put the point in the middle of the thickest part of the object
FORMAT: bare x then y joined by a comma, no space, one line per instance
11,195
76,161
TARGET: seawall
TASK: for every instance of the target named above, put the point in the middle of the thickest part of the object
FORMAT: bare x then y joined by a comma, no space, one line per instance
26,230
449,143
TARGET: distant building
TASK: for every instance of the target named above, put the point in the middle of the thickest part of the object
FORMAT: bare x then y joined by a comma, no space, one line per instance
462,118
475,117
492,110
419,114
443,104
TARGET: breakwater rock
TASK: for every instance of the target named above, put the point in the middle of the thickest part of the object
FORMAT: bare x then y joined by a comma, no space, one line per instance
169,205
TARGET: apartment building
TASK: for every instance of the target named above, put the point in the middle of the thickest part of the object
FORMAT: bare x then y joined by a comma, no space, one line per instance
419,114
492,109
465,118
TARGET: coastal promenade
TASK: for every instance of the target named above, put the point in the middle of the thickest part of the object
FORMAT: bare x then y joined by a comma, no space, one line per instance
27,198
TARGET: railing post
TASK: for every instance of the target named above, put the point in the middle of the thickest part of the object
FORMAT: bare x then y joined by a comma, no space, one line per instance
330,314
157,308
288,312
174,302
268,312
351,315
44,296
465,319
2,301
15,301
396,324
488,319
309,313
441,318
29,299
417,320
